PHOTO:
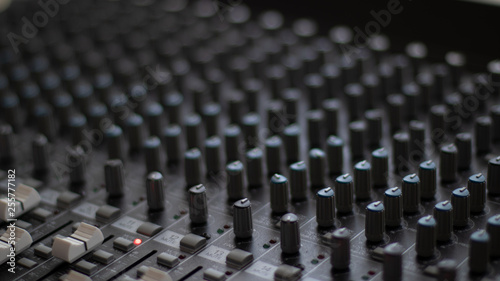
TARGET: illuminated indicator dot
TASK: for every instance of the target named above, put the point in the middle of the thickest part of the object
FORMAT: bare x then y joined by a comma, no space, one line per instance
266,246
220,231
314,261
137,241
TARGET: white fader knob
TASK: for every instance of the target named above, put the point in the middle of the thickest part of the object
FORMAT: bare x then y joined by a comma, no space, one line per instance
85,239
26,198
14,237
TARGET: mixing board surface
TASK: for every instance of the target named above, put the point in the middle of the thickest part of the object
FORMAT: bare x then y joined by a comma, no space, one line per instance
174,140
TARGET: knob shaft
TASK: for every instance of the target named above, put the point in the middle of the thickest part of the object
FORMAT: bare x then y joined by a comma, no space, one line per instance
460,199
279,194
290,235
341,249
198,207
375,222
479,251
325,207
154,191
426,237
242,219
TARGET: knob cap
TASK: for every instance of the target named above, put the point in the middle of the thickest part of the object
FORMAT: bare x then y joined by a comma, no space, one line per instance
254,167
40,147
460,199
393,203
464,145
493,181
298,181
317,161
235,181
279,194
341,249
77,174
426,237
325,207
198,207
448,164
393,262
114,138
443,213
273,155
427,175
154,191
345,195
362,180
192,167
411,193
493,228
291,139
212,155
380,167
375,222
447,270
152,154
479,252
477,188
335,154
290,235
113,175
242,219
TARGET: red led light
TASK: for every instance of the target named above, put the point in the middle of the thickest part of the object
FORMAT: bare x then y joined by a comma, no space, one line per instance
137,241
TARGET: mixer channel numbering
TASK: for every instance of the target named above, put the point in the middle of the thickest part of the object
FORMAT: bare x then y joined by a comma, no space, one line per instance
167,140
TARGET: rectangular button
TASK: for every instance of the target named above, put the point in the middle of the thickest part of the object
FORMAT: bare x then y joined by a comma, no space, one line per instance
213,275
43,251
103,257
67,198
167,260
41,214
192,243
238,258
123,244
149,229
27,263
86,267
106,213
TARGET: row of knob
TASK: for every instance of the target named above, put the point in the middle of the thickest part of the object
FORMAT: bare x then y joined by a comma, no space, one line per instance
406,146
366,174
414,187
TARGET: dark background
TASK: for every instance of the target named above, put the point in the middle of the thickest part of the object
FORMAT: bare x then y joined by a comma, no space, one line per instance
471,28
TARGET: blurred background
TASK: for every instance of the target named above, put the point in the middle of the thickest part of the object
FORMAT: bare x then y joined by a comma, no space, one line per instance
471,27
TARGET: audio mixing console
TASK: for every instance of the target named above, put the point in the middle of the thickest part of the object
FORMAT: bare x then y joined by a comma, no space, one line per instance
176,140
